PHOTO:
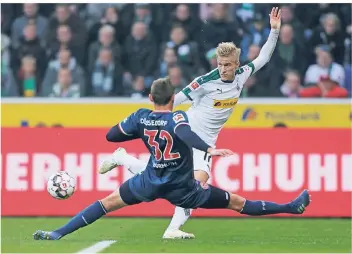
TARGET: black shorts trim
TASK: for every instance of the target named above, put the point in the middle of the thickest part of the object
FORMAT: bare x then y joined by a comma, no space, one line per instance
127,195
218,199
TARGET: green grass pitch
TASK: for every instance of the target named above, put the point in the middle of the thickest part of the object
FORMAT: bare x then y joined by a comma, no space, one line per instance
212,235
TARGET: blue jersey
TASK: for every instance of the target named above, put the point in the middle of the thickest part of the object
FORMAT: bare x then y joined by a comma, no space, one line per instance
169,173
172,159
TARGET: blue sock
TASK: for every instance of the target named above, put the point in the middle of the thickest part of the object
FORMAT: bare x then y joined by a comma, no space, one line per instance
82,219
264,208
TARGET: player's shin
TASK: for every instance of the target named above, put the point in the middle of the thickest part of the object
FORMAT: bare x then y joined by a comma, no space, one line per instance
180,217
296,206
256,208
82,219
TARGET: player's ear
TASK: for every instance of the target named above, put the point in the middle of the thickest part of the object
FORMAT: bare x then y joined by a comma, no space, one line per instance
151,98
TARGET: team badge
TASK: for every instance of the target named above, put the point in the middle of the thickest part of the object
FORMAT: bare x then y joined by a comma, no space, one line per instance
194,85
178,118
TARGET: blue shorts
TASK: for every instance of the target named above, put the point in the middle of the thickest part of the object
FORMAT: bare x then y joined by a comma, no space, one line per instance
191,194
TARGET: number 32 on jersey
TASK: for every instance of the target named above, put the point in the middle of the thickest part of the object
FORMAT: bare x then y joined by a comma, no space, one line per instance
166,155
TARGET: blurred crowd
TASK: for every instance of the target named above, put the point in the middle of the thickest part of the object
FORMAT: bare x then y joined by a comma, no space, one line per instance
105,50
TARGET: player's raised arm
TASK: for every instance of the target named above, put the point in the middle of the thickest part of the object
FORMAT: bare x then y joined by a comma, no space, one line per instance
269,47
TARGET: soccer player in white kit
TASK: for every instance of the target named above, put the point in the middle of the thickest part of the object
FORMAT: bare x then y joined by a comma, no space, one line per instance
213,96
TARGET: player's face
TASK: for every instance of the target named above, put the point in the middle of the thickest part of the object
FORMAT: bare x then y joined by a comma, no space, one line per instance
227,67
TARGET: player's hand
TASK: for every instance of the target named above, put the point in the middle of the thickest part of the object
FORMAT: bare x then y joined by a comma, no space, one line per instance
275,18
220,152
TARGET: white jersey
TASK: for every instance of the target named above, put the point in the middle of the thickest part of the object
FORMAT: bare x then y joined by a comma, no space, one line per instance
213,100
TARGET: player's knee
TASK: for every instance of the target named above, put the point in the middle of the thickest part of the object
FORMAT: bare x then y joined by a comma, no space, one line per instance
113,202
236,202
201,176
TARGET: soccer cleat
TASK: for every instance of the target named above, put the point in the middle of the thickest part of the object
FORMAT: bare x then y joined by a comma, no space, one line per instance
112,161
300,204
177,234
45,235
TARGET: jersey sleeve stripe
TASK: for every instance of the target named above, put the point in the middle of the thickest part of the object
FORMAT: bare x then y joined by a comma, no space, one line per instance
182,123
120,127
187,94
251,65
213,75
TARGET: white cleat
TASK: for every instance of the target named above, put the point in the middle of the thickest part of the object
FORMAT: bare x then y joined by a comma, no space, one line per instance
112,161
177,234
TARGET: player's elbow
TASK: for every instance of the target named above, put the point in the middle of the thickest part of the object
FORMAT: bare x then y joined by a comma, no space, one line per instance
113,134
109,137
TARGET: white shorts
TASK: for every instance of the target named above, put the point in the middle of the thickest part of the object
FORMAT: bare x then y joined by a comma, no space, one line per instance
202,161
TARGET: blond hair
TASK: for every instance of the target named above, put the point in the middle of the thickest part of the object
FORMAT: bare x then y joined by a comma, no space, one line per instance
228,49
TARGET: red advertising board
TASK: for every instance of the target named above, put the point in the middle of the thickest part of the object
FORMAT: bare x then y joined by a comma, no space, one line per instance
270,164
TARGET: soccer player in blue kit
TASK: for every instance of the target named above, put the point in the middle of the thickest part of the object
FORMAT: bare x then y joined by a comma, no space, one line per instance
169,174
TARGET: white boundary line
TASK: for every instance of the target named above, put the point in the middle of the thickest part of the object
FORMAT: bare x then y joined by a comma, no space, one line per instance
97,247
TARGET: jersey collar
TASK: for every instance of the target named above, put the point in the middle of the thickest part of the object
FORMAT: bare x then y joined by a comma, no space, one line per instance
161,111
227,81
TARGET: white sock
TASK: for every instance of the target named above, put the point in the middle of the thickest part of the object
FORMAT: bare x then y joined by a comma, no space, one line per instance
180,217
133,164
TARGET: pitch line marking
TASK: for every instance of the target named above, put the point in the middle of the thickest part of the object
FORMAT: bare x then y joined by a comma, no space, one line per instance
97,247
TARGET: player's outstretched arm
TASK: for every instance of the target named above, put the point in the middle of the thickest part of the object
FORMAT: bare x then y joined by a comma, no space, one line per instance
220,152
180,98
269,47
185,133
125,130
190,92
116,134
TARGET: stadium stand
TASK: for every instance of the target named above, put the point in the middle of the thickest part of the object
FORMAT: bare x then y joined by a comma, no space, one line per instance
113,50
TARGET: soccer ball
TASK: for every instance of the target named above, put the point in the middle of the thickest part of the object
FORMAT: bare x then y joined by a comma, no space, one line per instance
61,185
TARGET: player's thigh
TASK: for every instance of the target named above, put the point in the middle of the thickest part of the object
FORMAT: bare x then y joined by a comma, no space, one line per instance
202,165
216,199
113,201
127,195
220,198
201,176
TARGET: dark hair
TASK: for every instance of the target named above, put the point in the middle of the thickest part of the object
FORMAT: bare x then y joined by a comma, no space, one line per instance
62,5
178,26
117,11
280,125
173,66
64,69
162,91
292,71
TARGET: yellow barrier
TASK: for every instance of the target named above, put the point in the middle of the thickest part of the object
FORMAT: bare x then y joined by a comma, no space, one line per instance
107,114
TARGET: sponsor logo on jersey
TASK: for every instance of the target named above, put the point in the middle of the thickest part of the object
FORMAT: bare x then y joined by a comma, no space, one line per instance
230,103
249,114
194,85
178,118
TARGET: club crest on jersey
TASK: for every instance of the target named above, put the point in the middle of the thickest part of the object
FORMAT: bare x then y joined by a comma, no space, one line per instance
230,103
194,85
178,118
